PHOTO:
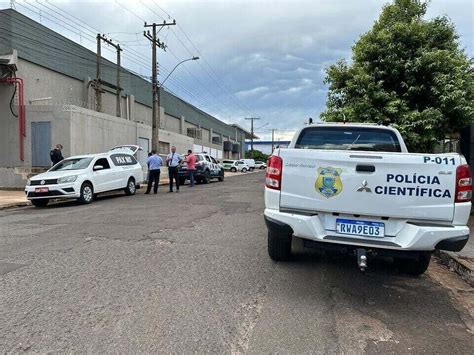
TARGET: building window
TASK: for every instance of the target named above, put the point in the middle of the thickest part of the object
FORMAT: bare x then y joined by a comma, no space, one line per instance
164,148
194,133
216,140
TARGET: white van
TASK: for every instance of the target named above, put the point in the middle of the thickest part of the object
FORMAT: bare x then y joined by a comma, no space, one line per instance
250,163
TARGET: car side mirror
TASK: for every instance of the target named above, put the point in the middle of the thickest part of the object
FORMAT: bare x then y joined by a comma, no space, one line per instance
98,167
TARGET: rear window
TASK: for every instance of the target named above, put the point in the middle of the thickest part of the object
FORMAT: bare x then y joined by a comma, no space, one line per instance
348,138
123,159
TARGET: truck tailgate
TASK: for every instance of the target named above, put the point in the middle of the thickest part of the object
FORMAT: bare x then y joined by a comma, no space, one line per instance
401,185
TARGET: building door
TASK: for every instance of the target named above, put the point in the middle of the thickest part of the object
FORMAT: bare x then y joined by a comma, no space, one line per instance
40,144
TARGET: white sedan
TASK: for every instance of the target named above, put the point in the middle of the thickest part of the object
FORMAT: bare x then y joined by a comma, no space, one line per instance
83,177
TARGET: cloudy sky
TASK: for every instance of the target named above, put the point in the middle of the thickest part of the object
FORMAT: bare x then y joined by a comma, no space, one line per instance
258,58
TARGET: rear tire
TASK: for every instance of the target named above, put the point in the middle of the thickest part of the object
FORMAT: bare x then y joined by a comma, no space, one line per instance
87,193
221,177
244,170
131,188
414,267
279,246
40,203
233,170
251,169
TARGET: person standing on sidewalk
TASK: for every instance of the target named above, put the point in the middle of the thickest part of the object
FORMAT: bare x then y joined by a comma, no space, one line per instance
191,165
56,155
173,160
154,168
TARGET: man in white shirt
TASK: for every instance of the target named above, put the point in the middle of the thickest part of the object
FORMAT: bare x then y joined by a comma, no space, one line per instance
173,160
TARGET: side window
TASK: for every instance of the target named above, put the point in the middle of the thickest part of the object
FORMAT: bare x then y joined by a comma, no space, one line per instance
123,159
214,160
207,158
104,162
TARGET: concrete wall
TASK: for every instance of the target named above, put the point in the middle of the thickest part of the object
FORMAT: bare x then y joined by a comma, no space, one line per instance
171,123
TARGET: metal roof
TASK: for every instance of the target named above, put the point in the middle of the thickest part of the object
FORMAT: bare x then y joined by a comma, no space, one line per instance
42,46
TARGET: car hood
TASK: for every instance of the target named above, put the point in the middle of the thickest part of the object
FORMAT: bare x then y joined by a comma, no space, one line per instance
57,174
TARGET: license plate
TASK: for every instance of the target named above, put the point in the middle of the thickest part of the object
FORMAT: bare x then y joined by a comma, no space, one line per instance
363,228
42,189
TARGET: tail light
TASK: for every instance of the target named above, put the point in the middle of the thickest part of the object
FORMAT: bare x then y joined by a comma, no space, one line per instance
274,172
463,184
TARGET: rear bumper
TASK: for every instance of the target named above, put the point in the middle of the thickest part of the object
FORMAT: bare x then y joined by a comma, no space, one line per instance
411,237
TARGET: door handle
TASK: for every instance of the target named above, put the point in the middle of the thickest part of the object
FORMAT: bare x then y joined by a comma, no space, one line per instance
365,168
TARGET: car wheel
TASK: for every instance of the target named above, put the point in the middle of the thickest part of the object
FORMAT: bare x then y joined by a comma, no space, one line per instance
221,177
262,167
87,193
279,246
244,170
207,177
233,170
414,267
131,187
40,203
251,169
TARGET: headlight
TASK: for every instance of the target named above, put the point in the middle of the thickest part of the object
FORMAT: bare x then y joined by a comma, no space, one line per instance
67,179
28,182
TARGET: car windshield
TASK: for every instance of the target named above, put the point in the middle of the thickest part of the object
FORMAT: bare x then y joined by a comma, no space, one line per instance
345,138
72,164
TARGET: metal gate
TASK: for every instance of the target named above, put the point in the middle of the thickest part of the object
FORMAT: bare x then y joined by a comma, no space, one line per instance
40,143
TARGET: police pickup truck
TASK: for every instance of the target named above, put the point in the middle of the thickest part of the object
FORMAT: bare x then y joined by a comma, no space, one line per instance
355,188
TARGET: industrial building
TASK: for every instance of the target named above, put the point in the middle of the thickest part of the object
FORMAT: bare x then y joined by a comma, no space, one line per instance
48,95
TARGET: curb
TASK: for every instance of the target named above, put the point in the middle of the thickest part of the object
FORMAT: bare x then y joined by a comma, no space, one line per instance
14,205
461,265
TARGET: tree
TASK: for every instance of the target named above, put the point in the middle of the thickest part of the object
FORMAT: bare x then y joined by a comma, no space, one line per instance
257,155
408,72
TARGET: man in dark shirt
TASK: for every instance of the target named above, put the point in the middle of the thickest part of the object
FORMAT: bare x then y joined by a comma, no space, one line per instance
56,155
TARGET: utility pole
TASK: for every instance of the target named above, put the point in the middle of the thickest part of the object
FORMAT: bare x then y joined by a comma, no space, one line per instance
251,132
98,92
273,137
155,129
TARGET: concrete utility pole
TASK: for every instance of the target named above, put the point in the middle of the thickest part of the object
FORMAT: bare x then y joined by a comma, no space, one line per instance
99,82
155,129
251,132
273,137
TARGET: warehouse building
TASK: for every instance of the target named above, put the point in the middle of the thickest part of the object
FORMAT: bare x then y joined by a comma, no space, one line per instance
48,95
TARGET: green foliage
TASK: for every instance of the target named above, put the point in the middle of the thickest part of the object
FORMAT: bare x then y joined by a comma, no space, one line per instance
408,72
257,155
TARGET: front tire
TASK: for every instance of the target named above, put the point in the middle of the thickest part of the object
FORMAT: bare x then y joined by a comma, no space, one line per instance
40,203
131,188
414,267
87,193
221,177
279,246
244,170
207,177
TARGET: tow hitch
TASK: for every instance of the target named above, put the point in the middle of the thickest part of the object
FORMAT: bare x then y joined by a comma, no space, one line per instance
361,259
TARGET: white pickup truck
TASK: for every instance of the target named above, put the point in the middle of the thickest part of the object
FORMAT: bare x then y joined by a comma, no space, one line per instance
355,188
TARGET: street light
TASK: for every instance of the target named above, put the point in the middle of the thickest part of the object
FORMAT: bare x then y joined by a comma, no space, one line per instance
155,129
177,65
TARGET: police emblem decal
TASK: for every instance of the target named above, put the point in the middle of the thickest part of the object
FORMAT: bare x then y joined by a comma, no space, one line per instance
329,183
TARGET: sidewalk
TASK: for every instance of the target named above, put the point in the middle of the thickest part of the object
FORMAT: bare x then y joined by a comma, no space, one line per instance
462,262
13,198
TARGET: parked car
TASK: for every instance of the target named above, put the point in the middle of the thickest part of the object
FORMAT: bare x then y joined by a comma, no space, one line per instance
227,164
239,165
260,165
356,188
250,163
207,168
83,177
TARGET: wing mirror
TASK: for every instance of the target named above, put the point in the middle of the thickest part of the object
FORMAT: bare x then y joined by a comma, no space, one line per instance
98,167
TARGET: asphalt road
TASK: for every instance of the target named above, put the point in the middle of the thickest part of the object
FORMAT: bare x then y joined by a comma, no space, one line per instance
189,272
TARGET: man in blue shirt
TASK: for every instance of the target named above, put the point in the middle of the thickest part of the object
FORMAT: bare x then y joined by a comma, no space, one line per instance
154,165
173,160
